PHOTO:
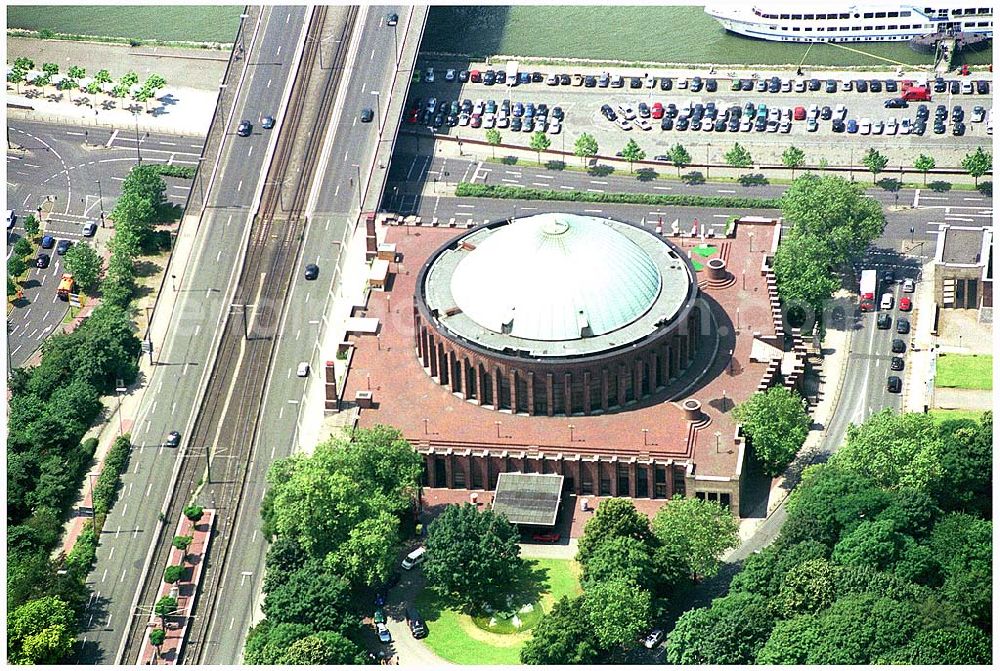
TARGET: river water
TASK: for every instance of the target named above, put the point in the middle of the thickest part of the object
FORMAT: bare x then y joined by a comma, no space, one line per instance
639,33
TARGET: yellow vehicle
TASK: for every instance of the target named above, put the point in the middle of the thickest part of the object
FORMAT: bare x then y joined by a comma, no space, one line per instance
67,285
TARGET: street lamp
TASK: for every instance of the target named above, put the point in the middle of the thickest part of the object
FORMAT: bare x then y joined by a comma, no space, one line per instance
243,18
358,168
378,109
138,153
120,389
645,434
571,427
100,202
498,427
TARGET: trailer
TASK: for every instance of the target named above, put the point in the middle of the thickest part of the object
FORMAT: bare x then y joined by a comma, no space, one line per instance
867,292
512,67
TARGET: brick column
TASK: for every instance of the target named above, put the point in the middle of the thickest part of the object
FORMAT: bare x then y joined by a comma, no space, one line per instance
605,386
447,471
613,467
586,392
531,393
632,476
550,394
432,356
513,392
568,394
496,388
622,376
637,379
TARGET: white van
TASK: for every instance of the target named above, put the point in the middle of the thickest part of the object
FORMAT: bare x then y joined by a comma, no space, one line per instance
414,558
886,302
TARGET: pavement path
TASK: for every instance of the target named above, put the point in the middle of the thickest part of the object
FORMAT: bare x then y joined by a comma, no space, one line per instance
963,399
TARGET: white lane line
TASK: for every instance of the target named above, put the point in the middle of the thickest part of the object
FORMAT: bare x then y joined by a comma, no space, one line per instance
721,216
953,218
972,199
69,132
111,554
934,198
111,139
466,206
217,256
544,177
169,144
229,220
594,211
126,505
278,52
597,181
239,186
510,181
122,579
372,56
148,488
250,152
726,190
539,184
563,186
268,84
596,190
104,575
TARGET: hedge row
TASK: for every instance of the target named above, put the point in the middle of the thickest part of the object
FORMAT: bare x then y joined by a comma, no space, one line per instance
467,190
185,171
115,463
84,553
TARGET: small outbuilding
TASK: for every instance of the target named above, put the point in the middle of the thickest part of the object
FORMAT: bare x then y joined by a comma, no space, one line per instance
529,499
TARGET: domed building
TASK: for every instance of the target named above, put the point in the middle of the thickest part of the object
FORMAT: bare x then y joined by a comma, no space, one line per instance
556,314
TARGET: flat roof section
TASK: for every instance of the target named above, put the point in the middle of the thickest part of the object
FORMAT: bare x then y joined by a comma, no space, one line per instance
528,498
963,246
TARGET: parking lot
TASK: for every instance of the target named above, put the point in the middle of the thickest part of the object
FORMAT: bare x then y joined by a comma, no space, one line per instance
72,174
582,103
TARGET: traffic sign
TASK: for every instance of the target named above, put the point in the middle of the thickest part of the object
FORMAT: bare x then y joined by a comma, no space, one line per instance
147,345
74,300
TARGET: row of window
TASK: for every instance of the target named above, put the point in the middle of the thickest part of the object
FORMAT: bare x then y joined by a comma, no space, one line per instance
964,12
829,17
905,26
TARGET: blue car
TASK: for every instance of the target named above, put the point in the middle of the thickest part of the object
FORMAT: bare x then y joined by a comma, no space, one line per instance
48,242
852,126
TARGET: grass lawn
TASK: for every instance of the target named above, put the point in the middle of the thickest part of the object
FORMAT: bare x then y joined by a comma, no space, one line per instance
190,23
941,415
457,638
965,371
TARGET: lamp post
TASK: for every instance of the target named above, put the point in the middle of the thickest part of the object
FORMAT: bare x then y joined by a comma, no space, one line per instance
357,167
243,18
120,389
138,153
708,148
378,109
571,427
498,427
425,426
645,434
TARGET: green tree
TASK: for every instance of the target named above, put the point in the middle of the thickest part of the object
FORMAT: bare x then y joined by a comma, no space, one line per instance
165,607
473,556
875,162
182,542
157,637
978,163
284,557
24,63
93,88
11,286
16,76
77,72
323,648
859,629
834,211
802,270
793,158
585,147
732,631
362,558
172,574
16,266
961,545
268,641
966,458
738,157
876,544
50,68
777,424
119,90
924,164
103,77
155,82
564,636
312,597
41,80
622,557
540,142
194,513
143,95
956,646
614,518
40,631
680,157
631,152
808,588
129,79
791,641
618,612
133,211
493,138
31,225
85,264
764,572
704,530
895,450
22,248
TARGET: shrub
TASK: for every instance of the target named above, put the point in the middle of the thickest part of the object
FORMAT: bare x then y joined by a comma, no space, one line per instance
182,542
157,637
185,171
84,553
467,190
106,489
172,574
194,513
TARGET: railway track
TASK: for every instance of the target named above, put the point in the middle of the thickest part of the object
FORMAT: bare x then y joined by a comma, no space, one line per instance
227,422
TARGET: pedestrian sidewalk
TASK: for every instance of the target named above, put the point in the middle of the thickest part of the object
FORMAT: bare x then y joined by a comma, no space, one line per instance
179,110
918,385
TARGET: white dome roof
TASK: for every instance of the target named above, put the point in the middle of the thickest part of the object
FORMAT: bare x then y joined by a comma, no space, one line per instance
555,277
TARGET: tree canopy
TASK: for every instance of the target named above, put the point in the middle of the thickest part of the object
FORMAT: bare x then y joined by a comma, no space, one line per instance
702,530
614,518
631,152
793,158
473,556
777,424
618,611
802,269
563,636
978,163
738,157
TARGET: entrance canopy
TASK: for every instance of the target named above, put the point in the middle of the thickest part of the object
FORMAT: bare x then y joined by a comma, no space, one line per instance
528,498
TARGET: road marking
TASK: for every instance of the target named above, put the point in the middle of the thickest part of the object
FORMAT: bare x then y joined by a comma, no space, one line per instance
293,401
287,18
278,52
111,139
372,56
954,218
254,537
934,198
539,184
135,534
544,177
972,199
722,216
268,84
594,211
298,333
510,181
126,506
251,152
169,144
240,185
595,190
232,621
597,181
466,206
726,190
281,413
916,197
104,575
69,132
111,554
335,193
229,220
148,488
218,256
122,579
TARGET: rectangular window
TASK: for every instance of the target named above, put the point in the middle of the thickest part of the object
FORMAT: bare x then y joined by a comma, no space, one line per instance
879,27
660,482
795,29
623,489
641,482
868,15
586,483
784,27
458,477
724,499
893,27
970,24
808,17
984,10
477,474
879,15
605,485
844,29
972,294
960,294
892,14
784,16
809,30
680,489
904,13
796,17
845,16
820,17
983,24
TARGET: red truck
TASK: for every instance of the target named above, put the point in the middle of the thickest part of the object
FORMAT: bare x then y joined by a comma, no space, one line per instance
915,92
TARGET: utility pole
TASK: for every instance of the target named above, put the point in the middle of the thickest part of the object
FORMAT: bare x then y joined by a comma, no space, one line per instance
100,202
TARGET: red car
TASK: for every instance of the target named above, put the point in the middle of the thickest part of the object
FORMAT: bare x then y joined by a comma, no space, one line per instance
546,537
800,113
657,111
475,76
905,304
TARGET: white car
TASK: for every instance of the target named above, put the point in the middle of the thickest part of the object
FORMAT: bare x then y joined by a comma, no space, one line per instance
682,83
840,112
812,125
908,286
786,86
429,75
627,112
774,114
905,127
772,126
649,82
489,120
654,639
877,128
478,108
383,633
746,126
786,126
891,126
463,120
554,127
432,105
303,369
11,218
865,126
552,80
449,75
813,111
643,124
623,123
800,86
502,120
967,87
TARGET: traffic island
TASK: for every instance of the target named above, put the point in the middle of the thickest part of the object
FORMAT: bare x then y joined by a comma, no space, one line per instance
171,613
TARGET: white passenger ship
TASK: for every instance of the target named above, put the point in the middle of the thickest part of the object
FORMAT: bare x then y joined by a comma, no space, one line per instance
793,21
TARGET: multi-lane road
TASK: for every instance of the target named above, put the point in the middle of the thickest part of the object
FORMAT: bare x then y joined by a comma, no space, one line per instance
73,173
204,288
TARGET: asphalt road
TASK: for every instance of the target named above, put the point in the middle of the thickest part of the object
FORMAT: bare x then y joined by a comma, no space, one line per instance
582,107
61,165
336,210
183,357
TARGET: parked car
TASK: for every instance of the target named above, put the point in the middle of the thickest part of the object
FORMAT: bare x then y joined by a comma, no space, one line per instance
898,346
884,321
42,261
312,270
173,439
894,384
546,536
905,304
892,103
908,285
383,633
852,126
902,326
416,623
654,638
